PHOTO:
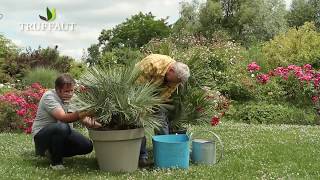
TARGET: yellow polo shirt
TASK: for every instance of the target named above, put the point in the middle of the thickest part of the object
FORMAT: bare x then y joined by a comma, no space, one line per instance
154,68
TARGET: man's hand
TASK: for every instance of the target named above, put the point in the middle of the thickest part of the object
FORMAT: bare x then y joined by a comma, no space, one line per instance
90,123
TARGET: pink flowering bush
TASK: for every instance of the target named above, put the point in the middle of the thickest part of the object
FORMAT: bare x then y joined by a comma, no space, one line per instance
307,78
252,67
25,103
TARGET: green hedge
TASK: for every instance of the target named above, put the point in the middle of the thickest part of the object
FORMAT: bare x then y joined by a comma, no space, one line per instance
266,113
46,77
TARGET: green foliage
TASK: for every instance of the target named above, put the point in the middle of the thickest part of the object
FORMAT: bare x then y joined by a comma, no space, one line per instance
297,46
210,17
120,57
216,63
196,106
77,69
208,59
245,20
134,32
266,113
9,120
17,66
188,23
5,77
189,106
302,11
117,100
7,48
46,77
94,55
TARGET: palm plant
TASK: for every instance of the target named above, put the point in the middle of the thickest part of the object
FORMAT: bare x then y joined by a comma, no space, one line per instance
194,105
190,107
117,100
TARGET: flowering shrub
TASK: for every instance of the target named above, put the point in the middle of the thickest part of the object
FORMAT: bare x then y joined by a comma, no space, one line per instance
25,103
308,78
9,119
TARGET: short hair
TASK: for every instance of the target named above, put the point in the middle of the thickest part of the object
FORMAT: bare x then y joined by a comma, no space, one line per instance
182,71
64,79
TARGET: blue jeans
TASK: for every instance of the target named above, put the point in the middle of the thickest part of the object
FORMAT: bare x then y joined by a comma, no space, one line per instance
164,129
61,141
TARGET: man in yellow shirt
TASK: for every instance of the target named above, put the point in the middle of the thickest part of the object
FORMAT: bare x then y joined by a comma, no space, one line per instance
168,74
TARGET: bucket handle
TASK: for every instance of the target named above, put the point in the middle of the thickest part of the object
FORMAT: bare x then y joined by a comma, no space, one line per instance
215,136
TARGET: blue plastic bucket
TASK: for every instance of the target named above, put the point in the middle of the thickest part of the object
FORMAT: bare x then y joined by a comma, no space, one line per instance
171,151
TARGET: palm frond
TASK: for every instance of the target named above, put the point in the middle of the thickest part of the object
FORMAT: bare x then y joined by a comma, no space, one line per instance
117,99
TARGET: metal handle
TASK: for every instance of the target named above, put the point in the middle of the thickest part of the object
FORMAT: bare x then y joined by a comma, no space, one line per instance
214,136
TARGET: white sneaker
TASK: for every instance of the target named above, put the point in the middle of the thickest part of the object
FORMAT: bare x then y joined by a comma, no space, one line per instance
57,167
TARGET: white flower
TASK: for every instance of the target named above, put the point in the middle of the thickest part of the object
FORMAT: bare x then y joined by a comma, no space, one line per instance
1,85
252,75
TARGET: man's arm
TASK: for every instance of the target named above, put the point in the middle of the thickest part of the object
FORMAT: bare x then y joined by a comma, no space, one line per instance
59,114
54,108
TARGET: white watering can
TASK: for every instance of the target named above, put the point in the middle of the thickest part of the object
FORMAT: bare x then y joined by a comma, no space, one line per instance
204,150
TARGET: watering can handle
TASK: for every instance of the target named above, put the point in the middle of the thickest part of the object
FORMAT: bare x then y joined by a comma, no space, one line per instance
221,144
216,137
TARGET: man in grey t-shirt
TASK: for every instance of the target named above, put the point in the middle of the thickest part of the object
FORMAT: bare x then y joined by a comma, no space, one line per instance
51,130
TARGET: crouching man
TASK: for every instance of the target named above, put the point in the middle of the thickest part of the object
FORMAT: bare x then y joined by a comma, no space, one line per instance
53,135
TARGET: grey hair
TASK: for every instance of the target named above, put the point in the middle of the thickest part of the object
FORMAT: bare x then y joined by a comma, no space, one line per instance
182,71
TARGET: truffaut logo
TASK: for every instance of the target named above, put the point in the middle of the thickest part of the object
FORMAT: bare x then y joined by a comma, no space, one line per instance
51,15
48,25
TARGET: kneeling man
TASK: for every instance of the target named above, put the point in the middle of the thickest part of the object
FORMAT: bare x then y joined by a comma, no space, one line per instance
53,135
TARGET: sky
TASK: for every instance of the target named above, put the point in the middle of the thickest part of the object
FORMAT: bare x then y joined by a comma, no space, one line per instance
89,17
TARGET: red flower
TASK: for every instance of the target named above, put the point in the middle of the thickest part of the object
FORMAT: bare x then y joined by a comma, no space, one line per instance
215,121
26,103
307,67
36,86
263,78
283,72
315,99
21,112
271,73
252,67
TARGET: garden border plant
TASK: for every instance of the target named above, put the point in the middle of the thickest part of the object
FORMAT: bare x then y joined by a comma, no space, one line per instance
308,78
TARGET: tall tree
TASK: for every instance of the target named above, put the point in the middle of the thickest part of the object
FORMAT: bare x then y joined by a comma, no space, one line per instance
94,55
188,23
245,20
134,32
302,11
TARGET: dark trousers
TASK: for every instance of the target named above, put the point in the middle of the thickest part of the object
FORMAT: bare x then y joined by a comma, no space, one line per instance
163,130
61,141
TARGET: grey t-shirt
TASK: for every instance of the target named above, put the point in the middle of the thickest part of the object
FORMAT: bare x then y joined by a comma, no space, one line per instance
48,102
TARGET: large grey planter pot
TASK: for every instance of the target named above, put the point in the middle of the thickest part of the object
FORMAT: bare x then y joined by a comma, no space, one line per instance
117,150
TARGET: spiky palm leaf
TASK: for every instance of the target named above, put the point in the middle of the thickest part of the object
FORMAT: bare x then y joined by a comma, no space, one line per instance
117,100
186,103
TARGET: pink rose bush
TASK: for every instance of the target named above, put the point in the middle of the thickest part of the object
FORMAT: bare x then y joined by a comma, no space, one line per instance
25,103
306,75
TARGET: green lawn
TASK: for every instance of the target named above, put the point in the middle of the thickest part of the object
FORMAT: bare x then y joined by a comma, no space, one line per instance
251,152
